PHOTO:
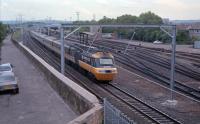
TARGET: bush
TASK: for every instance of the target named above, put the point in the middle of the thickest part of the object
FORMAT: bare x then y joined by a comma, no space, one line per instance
2,32
183,37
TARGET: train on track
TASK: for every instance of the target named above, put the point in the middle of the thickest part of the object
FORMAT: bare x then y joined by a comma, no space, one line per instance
98,64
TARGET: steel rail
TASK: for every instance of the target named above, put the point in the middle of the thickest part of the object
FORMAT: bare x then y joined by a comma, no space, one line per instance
145,109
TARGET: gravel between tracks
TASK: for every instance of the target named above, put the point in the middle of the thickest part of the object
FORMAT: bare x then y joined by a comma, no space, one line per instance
187,110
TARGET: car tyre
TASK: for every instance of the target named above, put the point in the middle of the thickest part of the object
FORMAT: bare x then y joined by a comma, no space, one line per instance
16,91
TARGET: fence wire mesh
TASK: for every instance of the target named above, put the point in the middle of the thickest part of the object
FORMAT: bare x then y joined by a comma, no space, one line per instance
114,116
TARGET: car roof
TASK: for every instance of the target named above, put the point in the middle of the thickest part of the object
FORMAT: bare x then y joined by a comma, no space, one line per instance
157,41
6,74
6,64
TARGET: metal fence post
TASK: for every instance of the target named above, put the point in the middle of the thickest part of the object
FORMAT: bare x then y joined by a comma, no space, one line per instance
104,110
114,116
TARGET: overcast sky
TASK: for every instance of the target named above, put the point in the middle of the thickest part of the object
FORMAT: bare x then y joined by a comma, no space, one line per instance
64,9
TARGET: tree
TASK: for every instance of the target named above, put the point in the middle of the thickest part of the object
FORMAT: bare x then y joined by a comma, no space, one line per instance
2,32
149,35
106,20
183,37
143,34
126,19
193,38
150,18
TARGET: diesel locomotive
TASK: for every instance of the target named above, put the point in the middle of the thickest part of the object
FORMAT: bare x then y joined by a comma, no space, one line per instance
97,63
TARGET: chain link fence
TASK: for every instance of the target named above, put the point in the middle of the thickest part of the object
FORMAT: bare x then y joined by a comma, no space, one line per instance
114,116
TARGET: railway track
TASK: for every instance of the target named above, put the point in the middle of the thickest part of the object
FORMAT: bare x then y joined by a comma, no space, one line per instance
132,63
144,68
150,112
111,91
194,93
189,56
180,68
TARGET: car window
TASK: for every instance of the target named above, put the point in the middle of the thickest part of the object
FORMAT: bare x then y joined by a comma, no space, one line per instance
5,68
6,78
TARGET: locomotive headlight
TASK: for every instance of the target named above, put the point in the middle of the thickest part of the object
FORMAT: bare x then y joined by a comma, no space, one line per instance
102,71
107,71
114,70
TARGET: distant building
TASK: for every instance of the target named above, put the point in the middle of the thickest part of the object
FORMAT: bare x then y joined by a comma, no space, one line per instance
197,44
194,31
182,27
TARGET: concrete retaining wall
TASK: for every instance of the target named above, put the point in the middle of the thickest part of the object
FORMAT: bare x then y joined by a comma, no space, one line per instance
79,99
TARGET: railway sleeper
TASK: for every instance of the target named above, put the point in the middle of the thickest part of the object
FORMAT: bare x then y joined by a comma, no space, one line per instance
156,116
165,122
145,109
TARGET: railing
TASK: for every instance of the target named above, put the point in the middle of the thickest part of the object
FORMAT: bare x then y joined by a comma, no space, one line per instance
114,116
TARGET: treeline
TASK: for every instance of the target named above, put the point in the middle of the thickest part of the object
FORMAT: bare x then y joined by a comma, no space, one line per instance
3,32
141,34
144,18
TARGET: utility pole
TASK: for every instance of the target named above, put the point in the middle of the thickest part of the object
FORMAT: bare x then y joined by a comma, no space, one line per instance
20,19
78,14
172,101
70,19
173,61
62,50
94,17
62,38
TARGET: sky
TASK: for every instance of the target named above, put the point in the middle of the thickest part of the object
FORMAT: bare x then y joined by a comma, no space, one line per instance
89,9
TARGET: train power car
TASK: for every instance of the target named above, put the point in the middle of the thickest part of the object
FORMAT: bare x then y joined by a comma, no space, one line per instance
97,63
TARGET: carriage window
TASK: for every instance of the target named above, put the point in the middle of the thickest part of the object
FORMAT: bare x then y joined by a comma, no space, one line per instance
93,62
86,59
72,51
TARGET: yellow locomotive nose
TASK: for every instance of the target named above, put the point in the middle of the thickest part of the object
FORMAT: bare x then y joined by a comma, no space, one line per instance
105,74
